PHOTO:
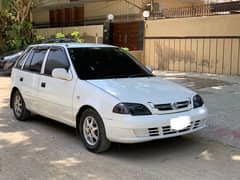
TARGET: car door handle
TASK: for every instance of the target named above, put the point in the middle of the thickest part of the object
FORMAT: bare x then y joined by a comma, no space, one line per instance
43,84
21,79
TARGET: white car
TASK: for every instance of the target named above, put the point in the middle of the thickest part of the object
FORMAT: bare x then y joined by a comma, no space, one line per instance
103,92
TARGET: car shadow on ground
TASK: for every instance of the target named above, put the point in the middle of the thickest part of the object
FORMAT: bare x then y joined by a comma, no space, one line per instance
188,146
164,148
54,126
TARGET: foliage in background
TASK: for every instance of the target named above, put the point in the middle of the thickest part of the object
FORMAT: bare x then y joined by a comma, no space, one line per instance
39,38
60,35
16,26
6,20
125,48
76,35
21,36
21,9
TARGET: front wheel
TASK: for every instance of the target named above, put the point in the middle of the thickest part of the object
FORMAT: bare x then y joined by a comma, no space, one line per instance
92,132
19,108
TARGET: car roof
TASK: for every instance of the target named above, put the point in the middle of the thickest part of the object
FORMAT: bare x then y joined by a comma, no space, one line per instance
73,45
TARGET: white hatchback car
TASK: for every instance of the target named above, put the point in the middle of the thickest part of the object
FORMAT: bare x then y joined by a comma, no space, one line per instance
104,92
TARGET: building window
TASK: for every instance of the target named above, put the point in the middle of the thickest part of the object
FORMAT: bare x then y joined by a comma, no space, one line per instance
67,17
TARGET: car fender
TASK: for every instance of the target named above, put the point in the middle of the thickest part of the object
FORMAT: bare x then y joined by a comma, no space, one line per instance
86,94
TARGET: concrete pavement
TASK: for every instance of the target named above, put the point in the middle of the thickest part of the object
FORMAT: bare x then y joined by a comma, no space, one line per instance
222,97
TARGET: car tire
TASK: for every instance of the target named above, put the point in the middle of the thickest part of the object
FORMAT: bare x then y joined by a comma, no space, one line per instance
19,108
92,132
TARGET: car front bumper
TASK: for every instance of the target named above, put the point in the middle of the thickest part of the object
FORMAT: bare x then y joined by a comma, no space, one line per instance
134,129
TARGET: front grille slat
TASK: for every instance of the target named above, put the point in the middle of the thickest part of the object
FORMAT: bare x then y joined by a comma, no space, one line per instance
153,132
163,107
196,124
172,106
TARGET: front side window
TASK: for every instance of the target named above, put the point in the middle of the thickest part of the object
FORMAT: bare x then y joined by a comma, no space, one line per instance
56,59
105,63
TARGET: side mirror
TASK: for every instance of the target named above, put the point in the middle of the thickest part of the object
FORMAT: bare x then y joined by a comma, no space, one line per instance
61,73
150,68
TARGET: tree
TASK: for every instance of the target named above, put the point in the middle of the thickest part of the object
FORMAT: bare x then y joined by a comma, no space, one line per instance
21,9
15,23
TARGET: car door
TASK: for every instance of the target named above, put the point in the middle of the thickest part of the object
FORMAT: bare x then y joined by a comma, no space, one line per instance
17,70
30,76
55,95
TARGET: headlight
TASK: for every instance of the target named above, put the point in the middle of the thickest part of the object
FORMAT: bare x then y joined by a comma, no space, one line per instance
197,101
131,108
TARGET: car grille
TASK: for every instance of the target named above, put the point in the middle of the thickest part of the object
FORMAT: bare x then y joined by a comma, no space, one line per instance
173,106
153,131
165,130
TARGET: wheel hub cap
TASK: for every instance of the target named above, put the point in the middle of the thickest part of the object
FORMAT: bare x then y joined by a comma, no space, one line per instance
18,105
90,130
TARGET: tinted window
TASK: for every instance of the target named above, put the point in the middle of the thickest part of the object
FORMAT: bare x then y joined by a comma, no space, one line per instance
34,60
105,63
28,61
37,60
21,60
56,59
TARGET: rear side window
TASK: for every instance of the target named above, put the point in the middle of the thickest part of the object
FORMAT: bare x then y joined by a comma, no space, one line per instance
57,58
28,61
35,60
22,59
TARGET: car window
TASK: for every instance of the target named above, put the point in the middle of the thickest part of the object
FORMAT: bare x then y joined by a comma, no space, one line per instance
105,63
37,60
22,59
34,60
56,59
28,61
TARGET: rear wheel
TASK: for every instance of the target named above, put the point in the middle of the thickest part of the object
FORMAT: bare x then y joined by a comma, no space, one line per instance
92,132
19,108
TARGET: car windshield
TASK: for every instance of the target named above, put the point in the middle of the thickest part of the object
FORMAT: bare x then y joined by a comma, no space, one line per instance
106,63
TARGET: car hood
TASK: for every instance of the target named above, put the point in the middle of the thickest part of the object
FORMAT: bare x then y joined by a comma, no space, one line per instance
144,90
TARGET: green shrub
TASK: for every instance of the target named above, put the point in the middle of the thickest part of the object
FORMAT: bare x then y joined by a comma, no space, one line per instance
125,48
18,36
60,35
76,35
39,38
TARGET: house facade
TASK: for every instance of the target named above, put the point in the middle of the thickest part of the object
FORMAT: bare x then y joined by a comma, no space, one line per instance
180,35
127,29
75,12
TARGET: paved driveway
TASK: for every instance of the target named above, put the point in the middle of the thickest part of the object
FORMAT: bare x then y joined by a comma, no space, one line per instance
44,149
222,97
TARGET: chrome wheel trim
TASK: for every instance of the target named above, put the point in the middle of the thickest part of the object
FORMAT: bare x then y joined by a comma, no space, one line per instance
90,130
18,105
